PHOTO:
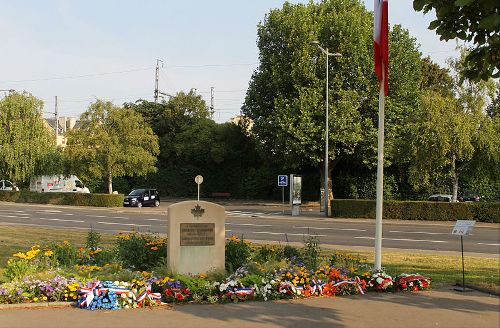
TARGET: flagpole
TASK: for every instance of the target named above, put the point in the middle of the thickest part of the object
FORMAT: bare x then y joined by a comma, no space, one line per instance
380,175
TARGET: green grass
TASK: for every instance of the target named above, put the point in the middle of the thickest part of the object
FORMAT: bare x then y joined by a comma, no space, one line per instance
15,239
443,269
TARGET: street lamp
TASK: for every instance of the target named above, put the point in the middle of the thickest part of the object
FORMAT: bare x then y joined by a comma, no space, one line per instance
328,54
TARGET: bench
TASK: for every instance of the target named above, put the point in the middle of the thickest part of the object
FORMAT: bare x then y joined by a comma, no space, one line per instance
221,195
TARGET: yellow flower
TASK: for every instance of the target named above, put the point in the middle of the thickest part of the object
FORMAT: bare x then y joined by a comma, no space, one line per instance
44,298
66,243
20,255
48,253
234,238
154,248
145,274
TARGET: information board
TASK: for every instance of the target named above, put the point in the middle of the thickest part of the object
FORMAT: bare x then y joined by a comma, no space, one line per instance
463,227
197,234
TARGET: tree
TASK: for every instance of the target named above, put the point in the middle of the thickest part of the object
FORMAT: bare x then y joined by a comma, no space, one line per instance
25,138
436,78
286,98
474,21
112,142
452,132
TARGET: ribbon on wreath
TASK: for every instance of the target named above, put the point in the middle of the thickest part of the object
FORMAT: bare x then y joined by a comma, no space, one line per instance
356,282
153,297
316,286
287,288
242,291
97,288
87,294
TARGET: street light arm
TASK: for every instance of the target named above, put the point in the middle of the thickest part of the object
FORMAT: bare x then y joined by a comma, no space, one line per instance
325,51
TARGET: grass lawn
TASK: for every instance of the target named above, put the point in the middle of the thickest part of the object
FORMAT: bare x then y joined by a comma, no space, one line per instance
443,269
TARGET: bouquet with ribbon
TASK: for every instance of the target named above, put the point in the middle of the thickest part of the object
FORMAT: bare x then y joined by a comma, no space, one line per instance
412,282
100,295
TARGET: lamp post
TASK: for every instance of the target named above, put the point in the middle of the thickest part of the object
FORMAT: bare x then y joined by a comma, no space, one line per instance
328,54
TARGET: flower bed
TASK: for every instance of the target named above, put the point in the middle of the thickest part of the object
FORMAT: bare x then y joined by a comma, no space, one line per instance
274,277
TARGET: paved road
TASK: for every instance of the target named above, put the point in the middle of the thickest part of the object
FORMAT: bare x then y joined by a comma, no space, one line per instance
266,223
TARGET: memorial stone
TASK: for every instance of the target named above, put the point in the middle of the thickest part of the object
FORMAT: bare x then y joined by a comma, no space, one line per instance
196,237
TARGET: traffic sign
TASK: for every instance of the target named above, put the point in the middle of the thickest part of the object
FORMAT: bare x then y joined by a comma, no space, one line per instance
282,180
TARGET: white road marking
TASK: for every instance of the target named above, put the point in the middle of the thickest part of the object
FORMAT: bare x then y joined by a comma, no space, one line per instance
340,229
126,224
69,214
249,224
96,216
50,211
285,233
488,244
155,219
12,211
119,217
228,230
44,226
62,220
402,239
12,216
421,232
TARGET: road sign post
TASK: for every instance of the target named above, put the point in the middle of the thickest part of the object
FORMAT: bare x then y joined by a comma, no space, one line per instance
283,182
463,228
199,180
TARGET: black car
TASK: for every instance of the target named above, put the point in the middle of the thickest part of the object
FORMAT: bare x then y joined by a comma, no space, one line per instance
469,196
142,197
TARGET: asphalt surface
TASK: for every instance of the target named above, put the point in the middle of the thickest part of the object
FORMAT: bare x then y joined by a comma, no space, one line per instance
268,223
435,308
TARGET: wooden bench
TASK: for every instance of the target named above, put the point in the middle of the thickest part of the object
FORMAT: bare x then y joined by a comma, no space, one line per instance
221,195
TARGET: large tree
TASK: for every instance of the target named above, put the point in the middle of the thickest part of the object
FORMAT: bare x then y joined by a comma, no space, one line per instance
25,138
111,142
286,95
474,21
453,134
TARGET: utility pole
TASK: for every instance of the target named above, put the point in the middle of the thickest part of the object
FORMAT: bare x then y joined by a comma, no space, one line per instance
57,120
212,103
157,79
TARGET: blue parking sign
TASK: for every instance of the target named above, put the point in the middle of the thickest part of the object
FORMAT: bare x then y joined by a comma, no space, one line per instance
282,180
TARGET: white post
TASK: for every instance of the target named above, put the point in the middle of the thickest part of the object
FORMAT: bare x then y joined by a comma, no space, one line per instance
327,190
380,177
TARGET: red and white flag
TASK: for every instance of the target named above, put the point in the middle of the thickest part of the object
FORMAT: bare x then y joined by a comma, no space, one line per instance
380,42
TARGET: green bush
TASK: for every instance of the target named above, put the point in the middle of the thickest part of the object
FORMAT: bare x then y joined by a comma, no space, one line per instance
59,198
418,210
141,251
237,253
267,253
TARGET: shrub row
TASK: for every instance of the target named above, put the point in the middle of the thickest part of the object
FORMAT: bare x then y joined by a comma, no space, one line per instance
418,210
59,198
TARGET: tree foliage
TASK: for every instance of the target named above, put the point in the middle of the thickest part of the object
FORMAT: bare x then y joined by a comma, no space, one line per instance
112,142
286,97
474,21
25,138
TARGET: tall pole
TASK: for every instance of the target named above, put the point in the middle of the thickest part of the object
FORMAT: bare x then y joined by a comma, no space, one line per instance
380,176
57,120
327,189
157,83
212,103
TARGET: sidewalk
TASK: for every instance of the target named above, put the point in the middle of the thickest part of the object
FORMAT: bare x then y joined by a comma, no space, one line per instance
437,308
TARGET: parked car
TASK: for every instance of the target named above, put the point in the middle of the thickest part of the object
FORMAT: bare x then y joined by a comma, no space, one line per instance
469,196
8,186
440,198
142,197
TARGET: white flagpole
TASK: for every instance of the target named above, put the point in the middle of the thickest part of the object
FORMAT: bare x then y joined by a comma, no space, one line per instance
380,175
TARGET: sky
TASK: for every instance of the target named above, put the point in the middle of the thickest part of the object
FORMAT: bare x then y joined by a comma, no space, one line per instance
83,50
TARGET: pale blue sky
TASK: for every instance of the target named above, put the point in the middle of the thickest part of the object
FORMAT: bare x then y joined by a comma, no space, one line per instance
80,50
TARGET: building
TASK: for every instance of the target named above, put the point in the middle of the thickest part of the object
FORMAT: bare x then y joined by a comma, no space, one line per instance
64,124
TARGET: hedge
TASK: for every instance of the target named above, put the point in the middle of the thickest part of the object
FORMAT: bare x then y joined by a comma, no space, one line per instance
60,198
418,210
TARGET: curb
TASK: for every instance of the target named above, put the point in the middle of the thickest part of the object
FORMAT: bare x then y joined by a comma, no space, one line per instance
36,305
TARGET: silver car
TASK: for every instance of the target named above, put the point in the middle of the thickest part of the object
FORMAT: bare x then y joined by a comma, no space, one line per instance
8,186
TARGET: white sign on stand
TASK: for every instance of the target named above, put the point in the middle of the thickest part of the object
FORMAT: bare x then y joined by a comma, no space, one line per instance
463,227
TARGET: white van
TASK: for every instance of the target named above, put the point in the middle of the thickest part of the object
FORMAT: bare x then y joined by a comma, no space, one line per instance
57,183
